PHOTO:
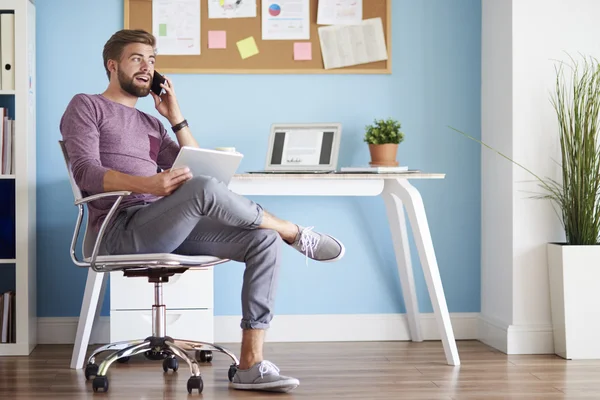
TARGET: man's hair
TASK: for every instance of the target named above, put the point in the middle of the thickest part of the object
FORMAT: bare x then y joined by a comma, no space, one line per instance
113,49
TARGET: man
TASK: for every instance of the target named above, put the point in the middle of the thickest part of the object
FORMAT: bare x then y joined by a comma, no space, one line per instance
113,146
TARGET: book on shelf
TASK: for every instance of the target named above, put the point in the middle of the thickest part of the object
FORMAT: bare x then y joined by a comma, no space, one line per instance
7,143
7,317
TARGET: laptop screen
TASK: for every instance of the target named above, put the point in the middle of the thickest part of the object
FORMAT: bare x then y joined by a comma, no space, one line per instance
318,151
307,147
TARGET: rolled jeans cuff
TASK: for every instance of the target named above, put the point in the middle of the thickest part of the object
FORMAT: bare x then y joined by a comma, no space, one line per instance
247,324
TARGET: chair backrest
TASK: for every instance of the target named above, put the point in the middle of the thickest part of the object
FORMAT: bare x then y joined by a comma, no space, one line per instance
89,238
76,192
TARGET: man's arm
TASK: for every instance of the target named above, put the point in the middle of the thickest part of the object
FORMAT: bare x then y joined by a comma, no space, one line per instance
161,184
115,181
81,137
166,104
184,135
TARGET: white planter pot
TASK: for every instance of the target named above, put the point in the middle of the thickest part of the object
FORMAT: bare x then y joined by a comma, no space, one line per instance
574,274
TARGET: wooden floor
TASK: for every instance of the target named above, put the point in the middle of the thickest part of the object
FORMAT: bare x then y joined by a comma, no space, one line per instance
371,370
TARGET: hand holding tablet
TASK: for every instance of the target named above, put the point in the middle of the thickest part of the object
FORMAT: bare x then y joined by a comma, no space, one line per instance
221,165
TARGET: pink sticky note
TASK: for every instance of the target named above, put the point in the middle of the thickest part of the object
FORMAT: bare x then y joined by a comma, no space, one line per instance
302,51
217,39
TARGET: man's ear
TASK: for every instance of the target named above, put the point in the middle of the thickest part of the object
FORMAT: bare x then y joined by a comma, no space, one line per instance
112,65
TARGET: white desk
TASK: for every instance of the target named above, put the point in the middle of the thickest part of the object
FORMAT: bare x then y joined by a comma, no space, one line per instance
397,193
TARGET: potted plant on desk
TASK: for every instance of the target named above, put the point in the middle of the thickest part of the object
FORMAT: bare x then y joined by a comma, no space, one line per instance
383,137
574,265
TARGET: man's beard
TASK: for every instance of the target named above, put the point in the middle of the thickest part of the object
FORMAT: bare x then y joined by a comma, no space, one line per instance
128,85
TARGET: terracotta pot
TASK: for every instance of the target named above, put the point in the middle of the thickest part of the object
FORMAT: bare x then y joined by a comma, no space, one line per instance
383,155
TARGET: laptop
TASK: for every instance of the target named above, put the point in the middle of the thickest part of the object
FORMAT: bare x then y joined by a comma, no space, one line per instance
302,149
221,165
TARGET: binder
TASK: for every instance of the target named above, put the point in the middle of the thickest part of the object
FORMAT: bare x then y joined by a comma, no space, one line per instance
4,303
2,147
7,51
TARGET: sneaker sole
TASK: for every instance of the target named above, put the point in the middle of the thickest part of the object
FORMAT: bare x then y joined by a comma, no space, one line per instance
277,386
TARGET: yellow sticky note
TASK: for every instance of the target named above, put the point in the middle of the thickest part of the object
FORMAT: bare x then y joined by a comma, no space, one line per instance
247,47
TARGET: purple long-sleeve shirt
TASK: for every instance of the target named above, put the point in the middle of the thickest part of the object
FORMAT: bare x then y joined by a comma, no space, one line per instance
102,135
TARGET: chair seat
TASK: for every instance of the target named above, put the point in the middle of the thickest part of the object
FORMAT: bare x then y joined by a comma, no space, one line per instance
156,258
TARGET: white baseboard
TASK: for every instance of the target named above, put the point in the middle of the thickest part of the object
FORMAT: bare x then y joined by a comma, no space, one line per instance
62,330
289,328
492,332
346,327
531,339
516,339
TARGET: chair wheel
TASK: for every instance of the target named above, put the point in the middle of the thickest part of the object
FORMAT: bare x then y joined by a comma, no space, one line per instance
170,363
195,382
231,372
123,360
100,382
204,355
91,370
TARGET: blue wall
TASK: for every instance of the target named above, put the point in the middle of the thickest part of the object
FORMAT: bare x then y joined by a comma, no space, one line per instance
435,83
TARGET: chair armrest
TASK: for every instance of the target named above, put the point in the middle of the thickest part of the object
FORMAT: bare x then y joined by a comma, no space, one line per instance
79,203
101,195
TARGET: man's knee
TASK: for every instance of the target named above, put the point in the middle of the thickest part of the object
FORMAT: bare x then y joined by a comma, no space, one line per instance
206,184
270,237
203,188
267,243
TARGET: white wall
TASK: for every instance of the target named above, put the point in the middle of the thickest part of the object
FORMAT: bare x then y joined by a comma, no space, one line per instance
543,31
496,174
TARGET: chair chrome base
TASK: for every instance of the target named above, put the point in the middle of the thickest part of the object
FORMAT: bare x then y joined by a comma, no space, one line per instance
159,346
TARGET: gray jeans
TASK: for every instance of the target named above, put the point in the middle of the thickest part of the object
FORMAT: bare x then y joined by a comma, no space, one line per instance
203,217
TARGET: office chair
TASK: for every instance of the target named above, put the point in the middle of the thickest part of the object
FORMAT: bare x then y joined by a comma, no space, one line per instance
157,268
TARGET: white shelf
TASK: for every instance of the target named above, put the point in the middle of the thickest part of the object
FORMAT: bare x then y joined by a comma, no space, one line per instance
15,349
9,349
22,104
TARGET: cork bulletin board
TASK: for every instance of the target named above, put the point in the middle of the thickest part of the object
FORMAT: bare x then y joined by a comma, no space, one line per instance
274,57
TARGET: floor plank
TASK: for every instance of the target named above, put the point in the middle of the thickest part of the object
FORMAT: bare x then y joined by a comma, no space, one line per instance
365,370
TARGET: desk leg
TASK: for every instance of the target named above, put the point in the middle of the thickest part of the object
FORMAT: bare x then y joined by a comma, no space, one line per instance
90,310
411,198
395,213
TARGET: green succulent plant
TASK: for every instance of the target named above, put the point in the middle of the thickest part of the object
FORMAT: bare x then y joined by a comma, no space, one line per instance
384,132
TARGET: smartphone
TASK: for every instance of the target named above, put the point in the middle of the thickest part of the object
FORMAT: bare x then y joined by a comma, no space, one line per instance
157,79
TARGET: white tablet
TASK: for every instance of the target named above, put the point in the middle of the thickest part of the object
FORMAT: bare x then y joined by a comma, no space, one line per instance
221,165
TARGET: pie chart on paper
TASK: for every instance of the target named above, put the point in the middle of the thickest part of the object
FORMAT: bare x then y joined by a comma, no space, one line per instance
274,10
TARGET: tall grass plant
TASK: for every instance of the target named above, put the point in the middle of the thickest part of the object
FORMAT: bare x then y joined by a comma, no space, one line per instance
576,196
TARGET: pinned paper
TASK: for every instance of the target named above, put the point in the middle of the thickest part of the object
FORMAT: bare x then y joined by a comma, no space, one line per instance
346,45
217,39
302,51
176,26
339,12
247,47
285,19
221,9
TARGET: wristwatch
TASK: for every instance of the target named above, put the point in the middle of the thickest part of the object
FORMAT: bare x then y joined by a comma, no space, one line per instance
179,126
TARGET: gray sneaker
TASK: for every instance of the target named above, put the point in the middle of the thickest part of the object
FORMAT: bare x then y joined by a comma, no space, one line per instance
318,246
263,376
